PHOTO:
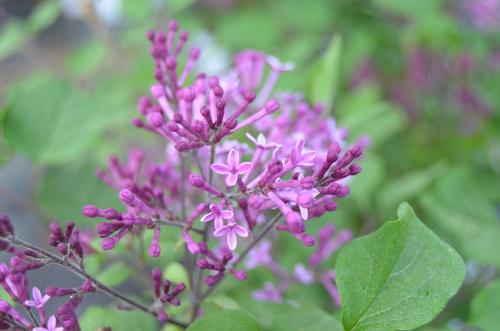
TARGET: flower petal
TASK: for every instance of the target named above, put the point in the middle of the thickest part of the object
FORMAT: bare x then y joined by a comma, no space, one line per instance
220,168
37,295
233,159
240,231
231,179
207,217
227,214
304,213
39,329
245,167
221,231
30,303
232,240
51,324
218,223
251,138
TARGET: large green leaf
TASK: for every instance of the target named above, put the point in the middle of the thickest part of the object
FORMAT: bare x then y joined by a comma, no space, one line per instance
115,274
52,122
397,278
229,320
13,36
96,318
62,192
44,15
324,75
485,310
305,320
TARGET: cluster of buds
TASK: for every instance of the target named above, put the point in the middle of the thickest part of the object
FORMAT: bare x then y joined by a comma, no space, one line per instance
166,293
66,242
14,280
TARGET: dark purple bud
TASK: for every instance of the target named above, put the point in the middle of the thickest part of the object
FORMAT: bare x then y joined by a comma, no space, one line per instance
88,287
4,245
150,35
108,244
203,264
6,228
179,288
156,276
69,229
62,248
239,274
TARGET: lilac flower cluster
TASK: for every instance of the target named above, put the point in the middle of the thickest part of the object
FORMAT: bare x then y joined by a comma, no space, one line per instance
329,241
292,168
239,161
14,280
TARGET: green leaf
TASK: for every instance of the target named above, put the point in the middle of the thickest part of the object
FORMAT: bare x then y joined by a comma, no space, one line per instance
229,320
52,122
324,75
63,191
12,37
398,277
486,307
86,58
305,320
44,15
96,318
115,274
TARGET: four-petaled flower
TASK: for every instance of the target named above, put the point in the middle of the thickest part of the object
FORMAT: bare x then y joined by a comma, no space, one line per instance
51,325
261,142
301,158
233,168
231,231
38,300
218,215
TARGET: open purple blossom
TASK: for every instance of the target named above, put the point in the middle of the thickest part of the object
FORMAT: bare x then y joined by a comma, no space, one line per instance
51,325
233,168
38,300
232,230
218,215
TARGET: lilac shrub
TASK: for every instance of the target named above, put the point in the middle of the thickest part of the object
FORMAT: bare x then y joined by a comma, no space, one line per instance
240,160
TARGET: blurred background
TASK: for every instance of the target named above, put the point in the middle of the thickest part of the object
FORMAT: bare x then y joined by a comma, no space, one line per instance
420,79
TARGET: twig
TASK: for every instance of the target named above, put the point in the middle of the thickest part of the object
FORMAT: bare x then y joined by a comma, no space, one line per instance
84,275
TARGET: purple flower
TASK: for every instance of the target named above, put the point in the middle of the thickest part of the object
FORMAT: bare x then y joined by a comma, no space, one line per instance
231,231
38,301
301,158
303,275
233,168
261,142
218,215
268,293
51,325
259,255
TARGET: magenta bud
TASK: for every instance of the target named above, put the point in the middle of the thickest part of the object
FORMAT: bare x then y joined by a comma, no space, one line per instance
4,245
108,244
171,63
195,53
173,26
356,150
249,96
307,239
6,228
137,122
308,182
203,264
305,200
272,106
331,205
354,169
155,119
126,196
154,250
179,288
90,211
184,35
88,287
196,180
62,248
239,274
150,35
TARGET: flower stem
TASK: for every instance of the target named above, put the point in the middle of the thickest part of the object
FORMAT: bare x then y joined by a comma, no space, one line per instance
84,275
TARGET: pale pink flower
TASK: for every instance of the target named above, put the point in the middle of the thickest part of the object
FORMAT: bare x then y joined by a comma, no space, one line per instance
233,168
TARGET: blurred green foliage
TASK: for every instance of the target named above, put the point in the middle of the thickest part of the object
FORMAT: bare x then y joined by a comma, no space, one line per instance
444,160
